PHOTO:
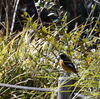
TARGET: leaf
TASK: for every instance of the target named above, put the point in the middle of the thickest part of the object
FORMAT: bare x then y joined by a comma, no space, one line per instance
44,29
85,40
67,35
34,26
45,45
29,19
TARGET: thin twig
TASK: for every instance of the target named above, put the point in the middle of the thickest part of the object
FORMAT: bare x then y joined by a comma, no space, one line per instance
26,88
14,15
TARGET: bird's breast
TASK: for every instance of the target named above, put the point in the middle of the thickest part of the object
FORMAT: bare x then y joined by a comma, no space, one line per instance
65,67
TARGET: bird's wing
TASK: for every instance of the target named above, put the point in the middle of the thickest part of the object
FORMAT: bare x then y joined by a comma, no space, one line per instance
69,64
72,66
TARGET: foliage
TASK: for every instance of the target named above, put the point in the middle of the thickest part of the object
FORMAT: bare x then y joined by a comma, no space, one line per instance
30,58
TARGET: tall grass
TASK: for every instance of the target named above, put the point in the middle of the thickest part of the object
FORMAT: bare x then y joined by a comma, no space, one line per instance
30,58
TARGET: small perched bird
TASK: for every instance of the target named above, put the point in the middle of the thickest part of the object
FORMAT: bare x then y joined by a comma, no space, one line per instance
67,64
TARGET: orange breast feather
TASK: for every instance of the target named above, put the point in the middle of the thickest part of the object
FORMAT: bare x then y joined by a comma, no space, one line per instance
65,68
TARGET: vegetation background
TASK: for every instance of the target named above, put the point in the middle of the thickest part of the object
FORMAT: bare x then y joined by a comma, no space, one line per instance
30,57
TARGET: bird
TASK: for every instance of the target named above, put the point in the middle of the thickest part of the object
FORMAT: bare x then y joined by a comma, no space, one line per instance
67,65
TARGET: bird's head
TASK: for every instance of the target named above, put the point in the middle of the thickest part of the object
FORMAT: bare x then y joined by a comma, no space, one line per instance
63,56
